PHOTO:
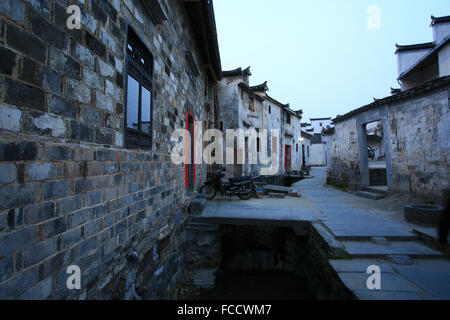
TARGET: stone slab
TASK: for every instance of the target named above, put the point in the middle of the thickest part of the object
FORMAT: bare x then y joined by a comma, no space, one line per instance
334,245
387,295
389,282
277,195
410,248
273,188
433,276
369,195
365,234
360,265
197,206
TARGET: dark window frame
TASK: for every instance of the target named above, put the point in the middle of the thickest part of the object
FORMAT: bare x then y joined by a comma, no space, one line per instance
251,105
141,72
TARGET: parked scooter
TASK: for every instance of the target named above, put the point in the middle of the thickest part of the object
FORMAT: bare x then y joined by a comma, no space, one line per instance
243,187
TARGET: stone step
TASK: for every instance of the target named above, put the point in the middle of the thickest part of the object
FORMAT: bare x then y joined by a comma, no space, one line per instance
197,206
430,237
276,195
278,189
371,249
390,237
204,278
369,195
202,227
378,190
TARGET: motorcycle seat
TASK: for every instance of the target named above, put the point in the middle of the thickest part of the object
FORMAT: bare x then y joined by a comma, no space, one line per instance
242,179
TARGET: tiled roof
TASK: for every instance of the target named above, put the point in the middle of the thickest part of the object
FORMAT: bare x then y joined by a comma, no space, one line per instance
417,46
236,72
260,88
436,20
203,22
250,92
429,86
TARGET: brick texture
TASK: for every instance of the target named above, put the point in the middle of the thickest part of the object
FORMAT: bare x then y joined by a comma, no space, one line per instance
70,192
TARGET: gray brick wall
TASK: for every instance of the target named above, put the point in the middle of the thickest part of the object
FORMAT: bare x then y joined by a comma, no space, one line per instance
70,192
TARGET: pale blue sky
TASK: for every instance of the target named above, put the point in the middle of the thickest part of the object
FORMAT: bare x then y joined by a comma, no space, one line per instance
319,55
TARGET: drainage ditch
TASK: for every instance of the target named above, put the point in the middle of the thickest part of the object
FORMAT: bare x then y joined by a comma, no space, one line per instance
261,262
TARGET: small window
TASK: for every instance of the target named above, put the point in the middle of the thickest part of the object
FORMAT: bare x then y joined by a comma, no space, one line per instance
307,150
288,118
320,124
296,147
252,105
138,113
270,109
258,144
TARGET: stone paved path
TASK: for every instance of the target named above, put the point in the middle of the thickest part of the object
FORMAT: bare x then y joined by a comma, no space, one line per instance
370,235
409,269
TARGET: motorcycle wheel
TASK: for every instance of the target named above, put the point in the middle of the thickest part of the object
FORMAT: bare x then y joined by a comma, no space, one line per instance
209,191
245,195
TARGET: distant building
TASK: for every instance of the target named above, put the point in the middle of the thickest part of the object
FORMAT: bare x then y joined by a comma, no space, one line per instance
316,126
245,107
420,63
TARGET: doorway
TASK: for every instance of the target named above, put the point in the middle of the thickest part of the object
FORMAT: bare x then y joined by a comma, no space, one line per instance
288,154
303,156
376,154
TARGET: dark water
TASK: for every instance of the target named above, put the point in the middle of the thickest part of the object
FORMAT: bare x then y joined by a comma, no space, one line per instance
259,285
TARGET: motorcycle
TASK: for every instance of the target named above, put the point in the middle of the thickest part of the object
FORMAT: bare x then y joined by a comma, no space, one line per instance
243,187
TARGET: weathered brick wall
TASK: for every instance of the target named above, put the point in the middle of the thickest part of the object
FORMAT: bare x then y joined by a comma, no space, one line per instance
419,132
417,129
70,192
343,169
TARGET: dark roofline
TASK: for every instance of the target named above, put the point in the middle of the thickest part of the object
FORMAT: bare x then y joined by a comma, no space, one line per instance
294,113
286,106
276,101
436,20
417,46
250,92
427,87
237,72
306,135
425,59
261,87
203,22
318,119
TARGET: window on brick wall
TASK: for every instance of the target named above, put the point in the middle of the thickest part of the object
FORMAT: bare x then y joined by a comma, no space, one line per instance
138,114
